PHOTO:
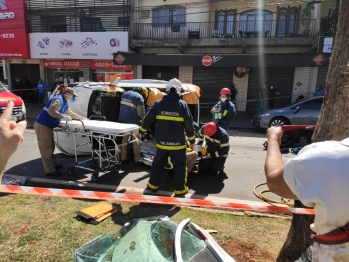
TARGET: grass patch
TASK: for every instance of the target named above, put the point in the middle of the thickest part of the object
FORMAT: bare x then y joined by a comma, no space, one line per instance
33,227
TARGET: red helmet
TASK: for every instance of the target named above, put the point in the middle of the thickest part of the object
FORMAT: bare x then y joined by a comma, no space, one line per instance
210,129
225,91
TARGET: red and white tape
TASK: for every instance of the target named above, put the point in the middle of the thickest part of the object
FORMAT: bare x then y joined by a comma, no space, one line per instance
148,199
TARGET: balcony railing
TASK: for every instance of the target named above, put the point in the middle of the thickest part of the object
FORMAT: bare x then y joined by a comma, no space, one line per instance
242,29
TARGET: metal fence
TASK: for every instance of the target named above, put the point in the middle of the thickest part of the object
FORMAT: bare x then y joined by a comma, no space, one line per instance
242,29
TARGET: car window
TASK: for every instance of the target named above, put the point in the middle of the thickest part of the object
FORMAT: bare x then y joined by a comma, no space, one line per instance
312,104
3,88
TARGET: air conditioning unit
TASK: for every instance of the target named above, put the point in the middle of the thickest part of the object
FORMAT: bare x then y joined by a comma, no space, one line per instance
145,13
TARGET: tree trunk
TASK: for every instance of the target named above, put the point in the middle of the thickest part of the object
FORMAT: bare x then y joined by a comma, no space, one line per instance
333,124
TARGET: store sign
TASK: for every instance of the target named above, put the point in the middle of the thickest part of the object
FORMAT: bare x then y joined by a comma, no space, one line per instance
106,64
13,29
73,64
80,45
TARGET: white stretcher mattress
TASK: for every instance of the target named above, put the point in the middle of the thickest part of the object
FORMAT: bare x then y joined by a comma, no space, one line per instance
100,126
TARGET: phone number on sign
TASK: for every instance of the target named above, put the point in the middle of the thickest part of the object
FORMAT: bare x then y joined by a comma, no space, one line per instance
106,64
7,35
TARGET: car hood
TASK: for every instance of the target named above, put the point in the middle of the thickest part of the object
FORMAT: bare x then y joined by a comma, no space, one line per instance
8,96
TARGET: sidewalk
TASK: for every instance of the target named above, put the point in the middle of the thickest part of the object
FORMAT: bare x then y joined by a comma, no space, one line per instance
241,121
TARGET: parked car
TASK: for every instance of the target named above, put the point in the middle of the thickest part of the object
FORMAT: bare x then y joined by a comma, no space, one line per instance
99,100
19,111
305,112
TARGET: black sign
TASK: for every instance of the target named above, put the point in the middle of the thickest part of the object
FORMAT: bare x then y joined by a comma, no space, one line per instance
222,60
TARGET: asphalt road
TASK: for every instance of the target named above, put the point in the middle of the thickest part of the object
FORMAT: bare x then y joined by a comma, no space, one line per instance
243,170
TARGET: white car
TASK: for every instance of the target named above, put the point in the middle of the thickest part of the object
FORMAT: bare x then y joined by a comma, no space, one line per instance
101,101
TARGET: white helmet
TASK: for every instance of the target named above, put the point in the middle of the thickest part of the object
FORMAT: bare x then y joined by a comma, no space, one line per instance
175,83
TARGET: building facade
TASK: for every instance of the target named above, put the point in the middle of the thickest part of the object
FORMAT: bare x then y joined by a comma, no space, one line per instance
66,42
216,43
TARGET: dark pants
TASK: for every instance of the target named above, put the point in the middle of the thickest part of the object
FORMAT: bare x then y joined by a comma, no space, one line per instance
178,159
214,165
41,97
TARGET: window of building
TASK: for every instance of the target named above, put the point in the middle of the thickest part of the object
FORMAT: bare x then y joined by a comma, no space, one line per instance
172,16
225,22
255,21
169,16
287,20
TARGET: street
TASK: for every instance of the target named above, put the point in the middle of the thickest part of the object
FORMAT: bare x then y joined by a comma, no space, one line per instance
243,170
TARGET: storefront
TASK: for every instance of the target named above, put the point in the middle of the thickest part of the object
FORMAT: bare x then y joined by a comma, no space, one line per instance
106,71
14,42
63,71
213,72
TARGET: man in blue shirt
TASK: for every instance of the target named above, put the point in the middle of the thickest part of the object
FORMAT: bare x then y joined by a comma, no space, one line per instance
319,91
41,88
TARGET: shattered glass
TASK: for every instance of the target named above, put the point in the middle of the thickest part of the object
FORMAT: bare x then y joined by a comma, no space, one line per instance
144,240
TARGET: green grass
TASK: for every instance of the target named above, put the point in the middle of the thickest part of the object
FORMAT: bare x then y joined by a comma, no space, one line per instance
36,228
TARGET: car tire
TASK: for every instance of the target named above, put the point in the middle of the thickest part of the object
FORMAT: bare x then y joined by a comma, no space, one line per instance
279,121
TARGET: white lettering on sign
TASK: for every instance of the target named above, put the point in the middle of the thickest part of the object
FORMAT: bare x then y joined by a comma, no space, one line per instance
7,35
7,15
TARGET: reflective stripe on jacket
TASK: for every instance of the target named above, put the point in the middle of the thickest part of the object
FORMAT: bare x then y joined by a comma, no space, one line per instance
130,101
45,119
218,144
173,118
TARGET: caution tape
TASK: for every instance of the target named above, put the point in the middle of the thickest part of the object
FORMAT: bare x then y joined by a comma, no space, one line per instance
151,199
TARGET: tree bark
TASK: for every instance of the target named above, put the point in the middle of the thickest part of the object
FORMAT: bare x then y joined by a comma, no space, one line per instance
333,124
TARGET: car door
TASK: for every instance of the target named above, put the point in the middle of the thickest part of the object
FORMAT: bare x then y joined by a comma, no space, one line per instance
307,113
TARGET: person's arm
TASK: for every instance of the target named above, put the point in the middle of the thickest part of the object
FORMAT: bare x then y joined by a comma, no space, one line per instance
274,165
230,112
201,136
148,119
73,115
11,136
140,108
224,147
188,124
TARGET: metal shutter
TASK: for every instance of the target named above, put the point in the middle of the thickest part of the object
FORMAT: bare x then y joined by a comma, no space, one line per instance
281,77
167,72
211,80
321,76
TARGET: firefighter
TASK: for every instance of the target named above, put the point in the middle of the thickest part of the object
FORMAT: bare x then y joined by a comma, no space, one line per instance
132,112
217,148
55,110
224,111
173,119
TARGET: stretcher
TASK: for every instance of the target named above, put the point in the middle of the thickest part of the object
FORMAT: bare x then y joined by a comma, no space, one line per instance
102,137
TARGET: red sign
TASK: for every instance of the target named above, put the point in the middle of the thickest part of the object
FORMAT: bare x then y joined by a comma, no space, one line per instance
14,37
119,59
106,64
73,64
207,60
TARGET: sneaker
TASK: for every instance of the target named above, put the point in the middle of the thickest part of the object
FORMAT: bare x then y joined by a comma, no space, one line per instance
58,167
54,173
138,164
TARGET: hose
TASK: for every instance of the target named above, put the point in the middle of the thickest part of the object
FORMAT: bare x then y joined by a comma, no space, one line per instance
283,201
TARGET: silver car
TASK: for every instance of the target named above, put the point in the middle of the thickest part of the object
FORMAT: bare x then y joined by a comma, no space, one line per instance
305,112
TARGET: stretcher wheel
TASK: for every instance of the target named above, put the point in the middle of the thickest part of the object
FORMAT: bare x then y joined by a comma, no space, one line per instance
71,172
93,163
94,177
116,168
